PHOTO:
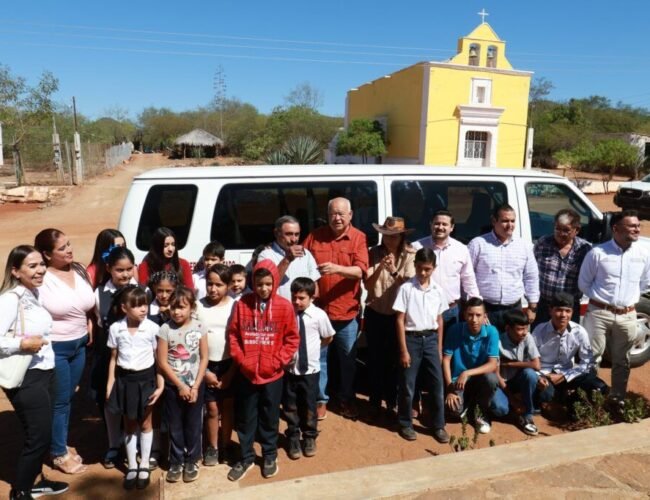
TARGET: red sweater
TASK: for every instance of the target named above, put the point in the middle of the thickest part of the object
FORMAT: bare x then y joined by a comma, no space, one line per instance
144,273
262,343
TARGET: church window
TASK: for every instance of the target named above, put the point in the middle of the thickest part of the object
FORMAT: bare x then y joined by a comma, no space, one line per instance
476,144
481,91
492,56
474,54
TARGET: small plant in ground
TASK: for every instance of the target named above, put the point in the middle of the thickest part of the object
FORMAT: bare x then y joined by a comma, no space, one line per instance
464,442
635,409
592,412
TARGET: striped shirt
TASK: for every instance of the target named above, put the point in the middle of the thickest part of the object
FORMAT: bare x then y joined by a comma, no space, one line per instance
505,271
557,273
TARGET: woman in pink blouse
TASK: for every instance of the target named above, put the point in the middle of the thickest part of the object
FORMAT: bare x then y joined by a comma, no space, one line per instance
68,296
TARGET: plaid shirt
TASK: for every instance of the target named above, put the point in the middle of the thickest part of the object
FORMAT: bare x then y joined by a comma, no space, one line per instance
557,273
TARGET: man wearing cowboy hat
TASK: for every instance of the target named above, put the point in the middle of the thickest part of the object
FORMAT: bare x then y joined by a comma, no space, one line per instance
454,270
341,252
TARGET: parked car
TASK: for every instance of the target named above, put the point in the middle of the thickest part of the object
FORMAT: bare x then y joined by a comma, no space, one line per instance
635,195
239,205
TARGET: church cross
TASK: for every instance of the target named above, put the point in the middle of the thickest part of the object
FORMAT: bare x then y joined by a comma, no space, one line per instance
483,14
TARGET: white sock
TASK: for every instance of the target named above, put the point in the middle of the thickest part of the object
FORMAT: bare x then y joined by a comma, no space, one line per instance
113,428
131,442
146,439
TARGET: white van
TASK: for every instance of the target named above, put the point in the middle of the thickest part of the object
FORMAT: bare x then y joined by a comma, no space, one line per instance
239,205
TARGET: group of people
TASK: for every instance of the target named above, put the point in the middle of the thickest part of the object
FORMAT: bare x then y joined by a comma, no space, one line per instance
196,355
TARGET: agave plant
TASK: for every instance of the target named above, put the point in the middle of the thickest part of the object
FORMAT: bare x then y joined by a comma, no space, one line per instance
276,158
303,150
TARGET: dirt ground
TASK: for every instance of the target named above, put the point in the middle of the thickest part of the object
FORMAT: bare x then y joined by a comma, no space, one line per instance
343,444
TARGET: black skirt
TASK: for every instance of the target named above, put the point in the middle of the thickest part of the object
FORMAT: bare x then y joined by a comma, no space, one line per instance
131,392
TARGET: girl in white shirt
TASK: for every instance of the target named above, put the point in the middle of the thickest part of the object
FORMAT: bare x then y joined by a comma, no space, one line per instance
214,312
133,386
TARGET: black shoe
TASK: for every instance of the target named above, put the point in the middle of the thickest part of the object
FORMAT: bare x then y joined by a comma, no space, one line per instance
143,482
130,479
270,467
238,471
294,451
211,457
174,473
310,447
45,487
190,472
441,435
111,458
20,495
408,433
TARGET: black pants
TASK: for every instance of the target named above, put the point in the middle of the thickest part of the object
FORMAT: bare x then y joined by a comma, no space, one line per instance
257,411
495,314
299,405
32,402
184,421
382,357
567,392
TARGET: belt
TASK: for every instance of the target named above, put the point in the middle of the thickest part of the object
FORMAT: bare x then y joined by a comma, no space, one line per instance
612,309
502,307
420,333
453,304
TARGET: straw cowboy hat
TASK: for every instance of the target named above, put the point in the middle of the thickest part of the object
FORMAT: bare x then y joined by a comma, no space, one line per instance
391,226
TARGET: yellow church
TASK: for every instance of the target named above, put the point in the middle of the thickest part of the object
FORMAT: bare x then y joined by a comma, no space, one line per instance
468,111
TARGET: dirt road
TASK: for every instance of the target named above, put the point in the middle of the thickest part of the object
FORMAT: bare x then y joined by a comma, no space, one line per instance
343,444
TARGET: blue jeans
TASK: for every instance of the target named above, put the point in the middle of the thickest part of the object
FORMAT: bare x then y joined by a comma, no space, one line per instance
425,362
525,383
345,348
69,361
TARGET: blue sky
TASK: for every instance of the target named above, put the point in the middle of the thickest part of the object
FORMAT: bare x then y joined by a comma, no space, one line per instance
160,53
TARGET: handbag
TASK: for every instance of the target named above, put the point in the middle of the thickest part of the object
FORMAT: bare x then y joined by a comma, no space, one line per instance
14,367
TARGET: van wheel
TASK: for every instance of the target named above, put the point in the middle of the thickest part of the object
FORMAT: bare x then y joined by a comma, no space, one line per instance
640,352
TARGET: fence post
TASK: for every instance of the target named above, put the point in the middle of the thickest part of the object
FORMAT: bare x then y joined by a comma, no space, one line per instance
2,158
69,161
78,161
56,145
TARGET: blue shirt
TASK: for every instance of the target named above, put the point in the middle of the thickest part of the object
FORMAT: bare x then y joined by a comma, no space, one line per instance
469,351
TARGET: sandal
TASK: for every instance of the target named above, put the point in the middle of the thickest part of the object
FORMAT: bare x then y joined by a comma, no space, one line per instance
111,458
75,455
68,465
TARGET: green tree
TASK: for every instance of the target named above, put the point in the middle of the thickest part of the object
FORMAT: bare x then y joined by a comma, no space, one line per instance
364,138
305,95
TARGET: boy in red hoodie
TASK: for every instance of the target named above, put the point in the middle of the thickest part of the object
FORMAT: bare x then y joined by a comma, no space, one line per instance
263,338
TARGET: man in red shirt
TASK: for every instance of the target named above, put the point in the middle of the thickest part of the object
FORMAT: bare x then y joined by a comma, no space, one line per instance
341,253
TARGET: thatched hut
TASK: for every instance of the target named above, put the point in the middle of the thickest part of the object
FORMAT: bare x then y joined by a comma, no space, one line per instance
199,143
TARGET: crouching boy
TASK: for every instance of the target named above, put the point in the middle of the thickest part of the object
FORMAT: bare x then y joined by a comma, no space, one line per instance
519,370
263,338
469,363
419,305
300,392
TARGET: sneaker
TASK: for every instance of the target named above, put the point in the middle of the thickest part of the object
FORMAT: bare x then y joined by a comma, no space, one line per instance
482,425
310,447
321,411
270,467
441,435
349,410
45,487
190,472
238,471
528,426
20,495
294,451
408,433
153,460
174,473
211,457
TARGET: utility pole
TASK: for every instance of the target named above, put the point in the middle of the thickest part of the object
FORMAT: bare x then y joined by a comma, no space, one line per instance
78,161
219,86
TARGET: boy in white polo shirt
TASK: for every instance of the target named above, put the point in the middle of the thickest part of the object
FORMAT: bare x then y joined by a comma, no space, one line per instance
419,306
300,391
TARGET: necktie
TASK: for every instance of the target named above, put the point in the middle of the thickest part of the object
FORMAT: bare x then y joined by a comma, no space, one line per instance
303,362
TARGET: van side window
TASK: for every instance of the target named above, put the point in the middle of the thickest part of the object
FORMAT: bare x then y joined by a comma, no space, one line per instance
171,206
545,199
245,213
471,203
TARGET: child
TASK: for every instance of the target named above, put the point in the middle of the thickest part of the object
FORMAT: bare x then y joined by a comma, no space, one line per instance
163,256
518,371
162,284
133,386
182,357
419,305
263,338
469,363
120,267
302,375
213,253
214,311
106,240
237,283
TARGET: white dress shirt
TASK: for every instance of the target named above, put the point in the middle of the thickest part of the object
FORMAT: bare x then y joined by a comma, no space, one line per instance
557,351
134,351
615,276
453,268
420,305
300,267
317,327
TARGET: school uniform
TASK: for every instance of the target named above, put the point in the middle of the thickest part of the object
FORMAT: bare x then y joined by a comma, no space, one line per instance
156,315
198,278
135,373
300,392
421,307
